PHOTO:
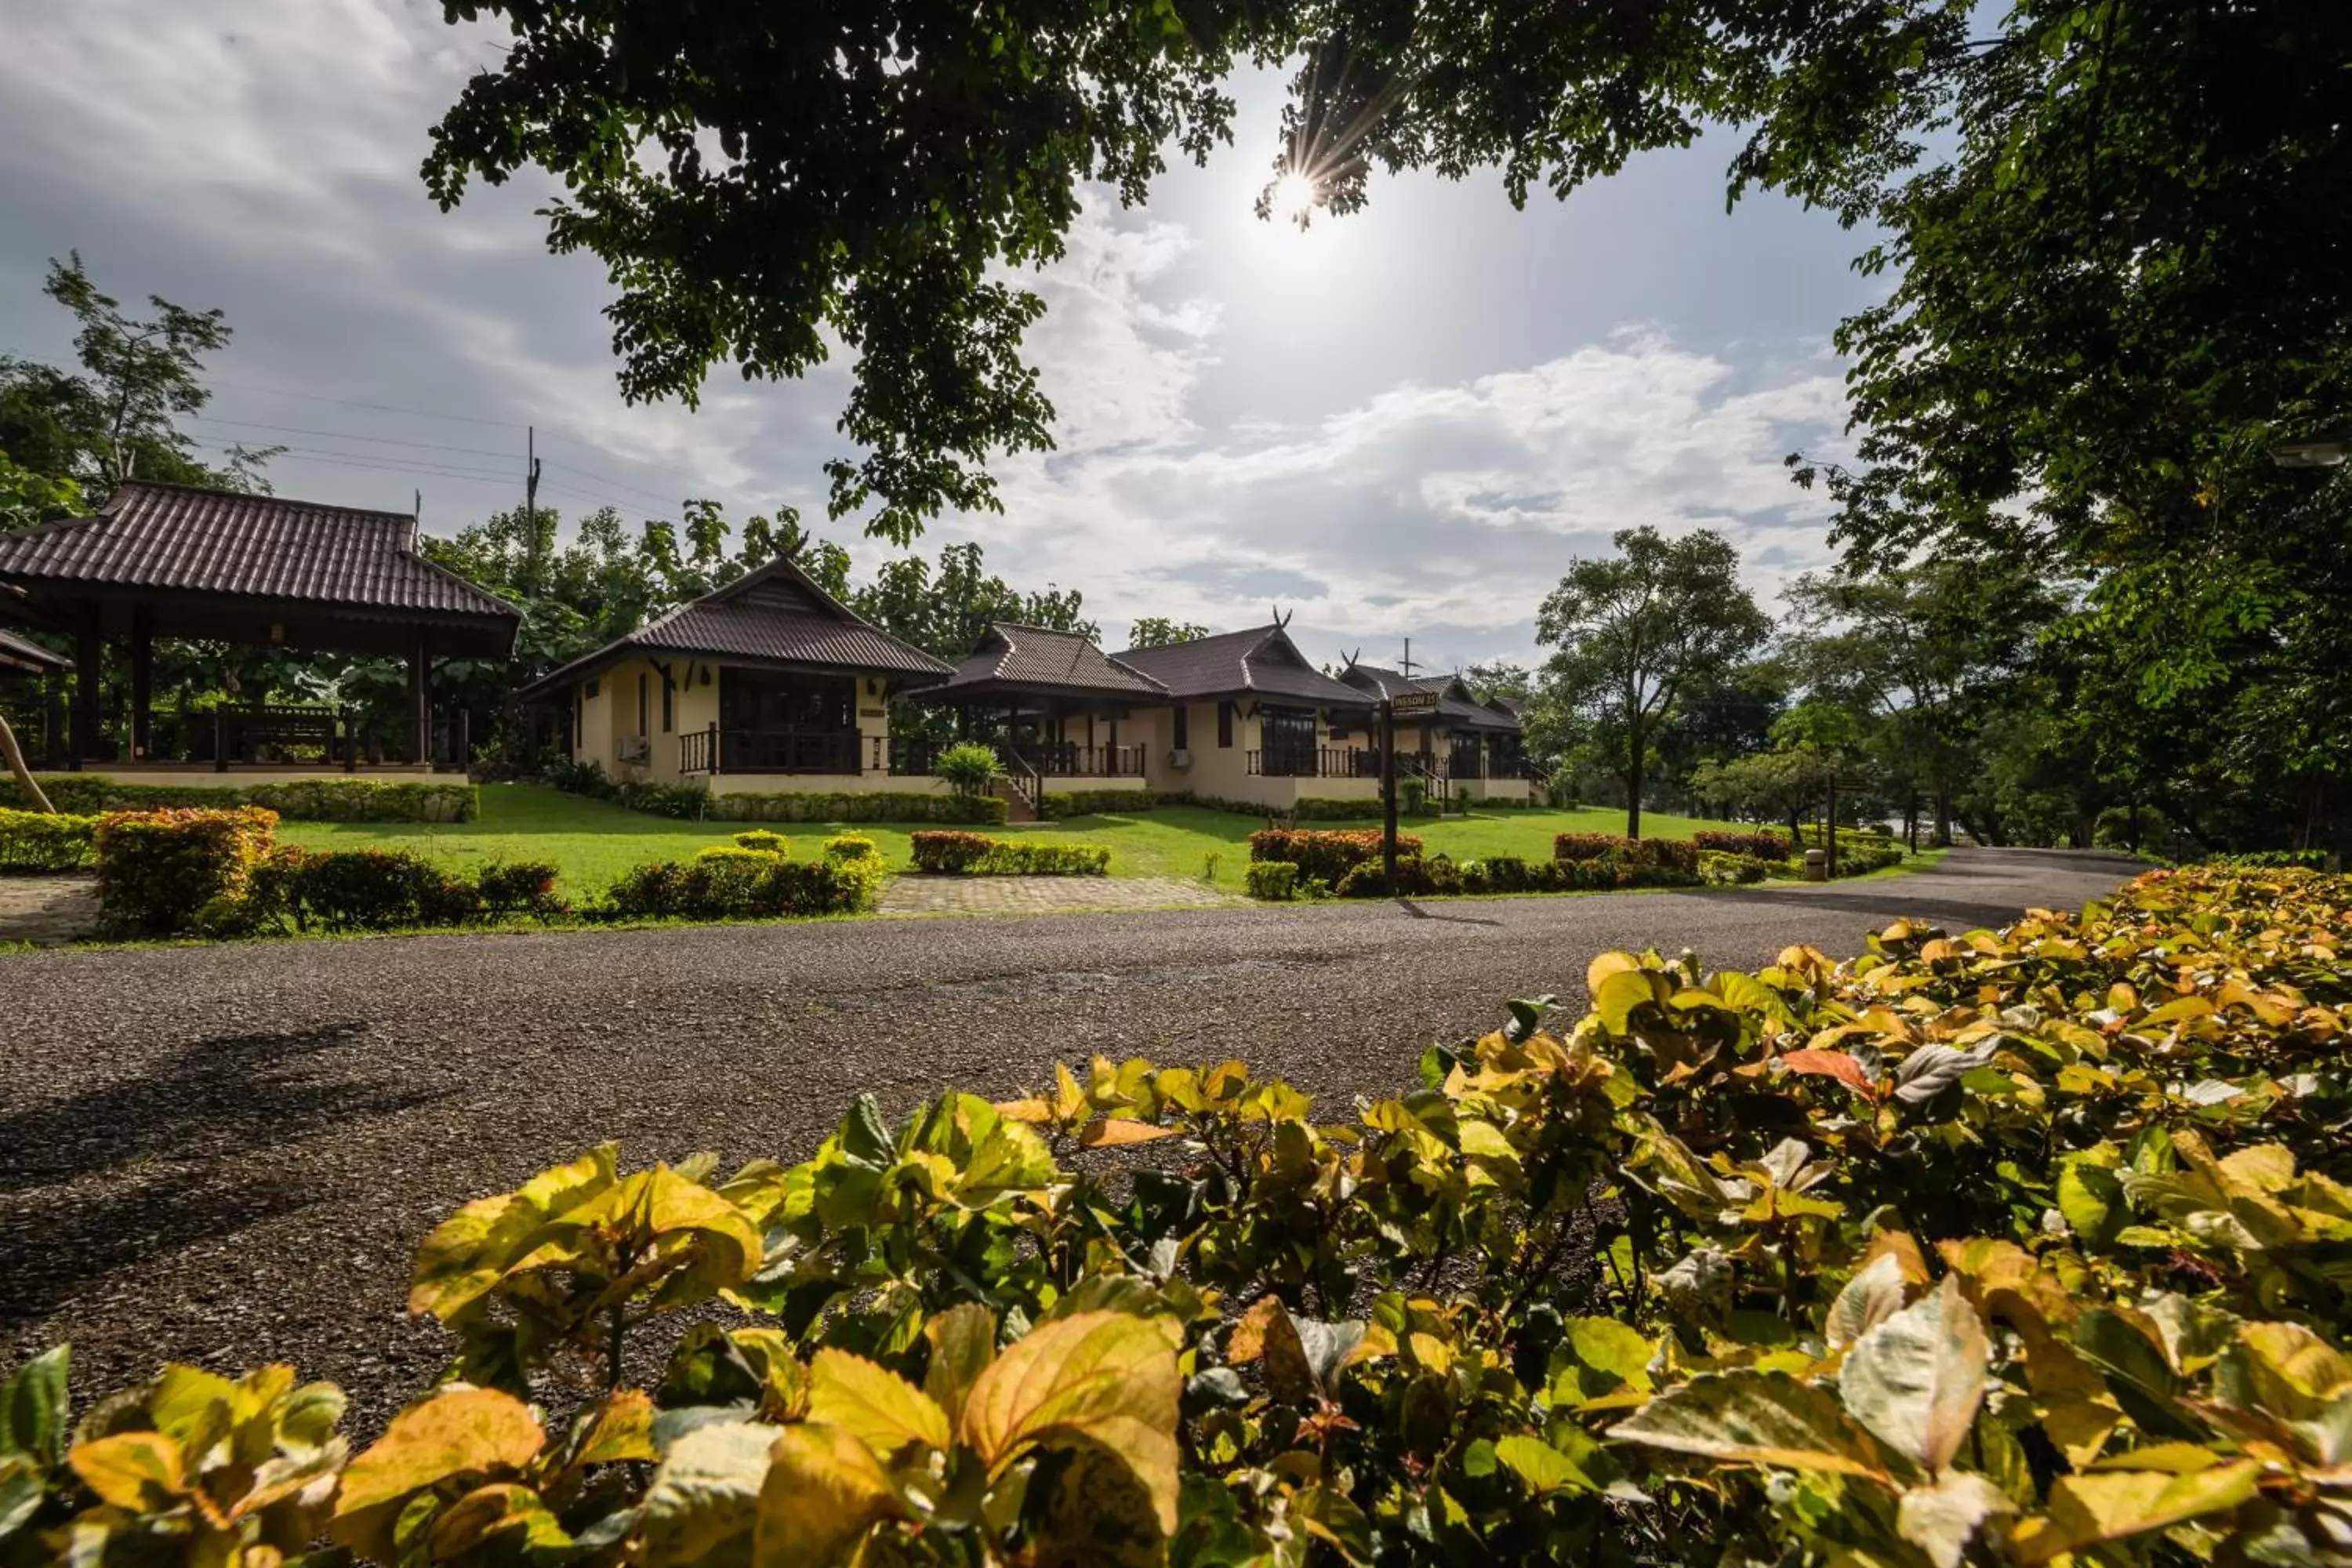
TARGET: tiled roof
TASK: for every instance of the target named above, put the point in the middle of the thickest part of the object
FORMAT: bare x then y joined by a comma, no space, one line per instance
21,653
1456,706
1013,654
176,537
777,614
1262,661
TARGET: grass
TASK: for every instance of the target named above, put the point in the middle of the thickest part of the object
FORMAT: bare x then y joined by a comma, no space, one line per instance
590,843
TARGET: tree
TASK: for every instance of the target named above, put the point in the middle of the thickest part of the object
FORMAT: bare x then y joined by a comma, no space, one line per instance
1500,678
1634,631
1926,648
946,612
116,420
1158,631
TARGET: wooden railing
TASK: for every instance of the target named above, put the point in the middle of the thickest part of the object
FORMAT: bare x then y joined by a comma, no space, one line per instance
1314,762
717,750
1070,760
291,736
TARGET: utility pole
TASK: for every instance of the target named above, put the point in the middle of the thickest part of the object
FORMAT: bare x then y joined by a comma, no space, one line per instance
1389,795
1406,664
530,501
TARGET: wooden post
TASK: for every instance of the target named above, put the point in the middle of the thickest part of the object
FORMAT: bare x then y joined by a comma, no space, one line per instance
143,683
463,742
89,660
420,693
711,762
1387,796
220,739
53,721
1828,834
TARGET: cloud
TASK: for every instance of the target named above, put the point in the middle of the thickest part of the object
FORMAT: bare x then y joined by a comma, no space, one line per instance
262,155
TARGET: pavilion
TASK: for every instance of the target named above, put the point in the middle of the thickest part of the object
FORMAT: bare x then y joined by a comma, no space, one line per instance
173,561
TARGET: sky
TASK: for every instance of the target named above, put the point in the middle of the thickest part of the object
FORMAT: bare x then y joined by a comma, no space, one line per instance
1406,423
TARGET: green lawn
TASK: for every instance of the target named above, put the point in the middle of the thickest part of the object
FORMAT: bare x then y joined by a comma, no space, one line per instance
591,843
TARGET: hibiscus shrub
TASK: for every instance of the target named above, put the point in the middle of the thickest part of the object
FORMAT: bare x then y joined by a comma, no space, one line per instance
1988,1248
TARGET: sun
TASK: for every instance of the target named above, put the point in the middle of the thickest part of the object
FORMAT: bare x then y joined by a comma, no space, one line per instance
1293,197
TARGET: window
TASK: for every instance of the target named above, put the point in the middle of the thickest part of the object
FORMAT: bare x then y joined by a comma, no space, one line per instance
644,690
669,706
1225,724
771,701
1181,735
593,686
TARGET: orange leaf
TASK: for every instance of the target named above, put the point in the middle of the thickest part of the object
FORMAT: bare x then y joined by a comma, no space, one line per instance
1112,1132
1832,1064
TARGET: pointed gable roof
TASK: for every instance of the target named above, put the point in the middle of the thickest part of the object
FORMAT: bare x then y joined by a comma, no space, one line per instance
1261,662
777,615
21,653
1458,708
1012,657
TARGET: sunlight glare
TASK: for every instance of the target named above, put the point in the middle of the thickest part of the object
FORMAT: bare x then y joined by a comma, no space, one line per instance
1294,198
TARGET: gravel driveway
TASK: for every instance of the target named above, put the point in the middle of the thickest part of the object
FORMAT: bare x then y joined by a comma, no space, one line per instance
228,1154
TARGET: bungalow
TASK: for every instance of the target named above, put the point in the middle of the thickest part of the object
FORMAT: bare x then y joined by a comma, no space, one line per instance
770,683
1464,746
1249,718
1068,709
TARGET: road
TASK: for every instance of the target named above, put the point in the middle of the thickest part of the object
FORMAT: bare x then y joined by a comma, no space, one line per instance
227,1154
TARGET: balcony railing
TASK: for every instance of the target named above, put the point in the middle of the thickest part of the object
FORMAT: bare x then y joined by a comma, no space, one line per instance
1069,760
773,751
1314,762
292,736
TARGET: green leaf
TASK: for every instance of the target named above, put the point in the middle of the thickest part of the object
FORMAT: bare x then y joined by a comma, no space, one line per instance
1758,1417
1915,1380
2091,1199
1619,993
705,1501
1544,1468
1332,1517
33,1408
1606,1345
964,1342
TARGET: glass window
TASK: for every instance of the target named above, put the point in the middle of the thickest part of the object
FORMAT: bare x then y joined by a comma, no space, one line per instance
1179,736
1224,723
773,700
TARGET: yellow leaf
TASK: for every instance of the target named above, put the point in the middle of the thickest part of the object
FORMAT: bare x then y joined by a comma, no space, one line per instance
883,1409
823,1491
1025,1110
964,1342
1107,1377
141,1472
458,1432
1069,1097
1619,994
2109,1506
1607,964
623,1430
1113,1132
1246,1342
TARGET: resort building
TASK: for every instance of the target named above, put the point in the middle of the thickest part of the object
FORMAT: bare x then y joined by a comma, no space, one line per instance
1250,718
1463,747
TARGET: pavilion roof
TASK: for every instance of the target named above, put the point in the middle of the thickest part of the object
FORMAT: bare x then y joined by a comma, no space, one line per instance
1261,662
208,562
1012,659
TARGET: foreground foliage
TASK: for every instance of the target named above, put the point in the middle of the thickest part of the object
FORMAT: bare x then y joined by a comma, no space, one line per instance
2003,1247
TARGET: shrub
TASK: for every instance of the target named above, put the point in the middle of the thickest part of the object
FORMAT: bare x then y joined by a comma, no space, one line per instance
761,839
1326,853
1026,858
306,800
681,803
1412,795
2305,859
521,886
1720,870
879,805
731,883
364,890
162,872
848,846
1586,845
1055,804
587,778
948,853
45,841
968,769
2043,1263
1365,880
1272,880
1760,845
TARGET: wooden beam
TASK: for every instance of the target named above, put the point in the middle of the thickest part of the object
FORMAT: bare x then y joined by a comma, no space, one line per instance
142,682
89,648
420,692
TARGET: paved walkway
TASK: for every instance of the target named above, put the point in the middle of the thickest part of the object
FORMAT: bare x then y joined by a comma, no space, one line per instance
46,911
914,895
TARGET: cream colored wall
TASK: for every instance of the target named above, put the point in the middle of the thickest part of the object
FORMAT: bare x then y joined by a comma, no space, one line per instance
824,783
202,775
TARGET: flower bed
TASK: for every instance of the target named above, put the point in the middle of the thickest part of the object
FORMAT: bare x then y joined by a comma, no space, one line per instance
1986,1248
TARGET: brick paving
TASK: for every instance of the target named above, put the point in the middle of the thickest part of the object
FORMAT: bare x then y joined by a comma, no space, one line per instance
46,911
918,895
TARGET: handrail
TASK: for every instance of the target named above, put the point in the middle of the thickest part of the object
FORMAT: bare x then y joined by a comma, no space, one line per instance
1022,774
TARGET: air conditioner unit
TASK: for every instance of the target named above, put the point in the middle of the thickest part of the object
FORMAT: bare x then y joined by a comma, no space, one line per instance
632,748
1179,758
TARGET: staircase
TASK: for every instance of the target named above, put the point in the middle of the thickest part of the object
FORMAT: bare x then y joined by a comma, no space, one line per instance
1018,806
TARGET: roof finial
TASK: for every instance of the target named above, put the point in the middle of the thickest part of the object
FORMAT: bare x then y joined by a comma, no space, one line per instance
1281,621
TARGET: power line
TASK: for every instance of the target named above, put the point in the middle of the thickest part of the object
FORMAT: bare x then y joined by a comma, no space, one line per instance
608,479
347,436
381,465
379,407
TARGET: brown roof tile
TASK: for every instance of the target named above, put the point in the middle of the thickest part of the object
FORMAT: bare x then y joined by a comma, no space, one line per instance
176,537
1262,661
1012,656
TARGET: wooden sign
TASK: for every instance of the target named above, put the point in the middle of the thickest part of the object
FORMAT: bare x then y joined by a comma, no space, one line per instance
1405,704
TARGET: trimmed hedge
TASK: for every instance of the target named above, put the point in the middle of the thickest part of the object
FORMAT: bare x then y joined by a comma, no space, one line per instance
1627,865
307,800
1274,880
882,805
1322,854
739,884
1762,845
760,838
1585,846
1720,870
977,855
163,872
44,841
844,846
1055,804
